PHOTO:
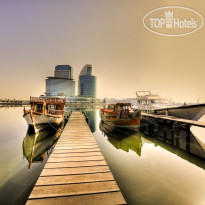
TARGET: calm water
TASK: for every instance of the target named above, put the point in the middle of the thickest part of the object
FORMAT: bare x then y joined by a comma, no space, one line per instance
17,175
146,170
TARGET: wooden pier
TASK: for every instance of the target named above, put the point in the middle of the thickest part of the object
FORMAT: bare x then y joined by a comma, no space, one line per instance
76,172
174,131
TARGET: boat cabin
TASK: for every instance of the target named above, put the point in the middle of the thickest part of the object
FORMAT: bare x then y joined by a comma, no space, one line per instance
147,101
152,99
54,106
119,106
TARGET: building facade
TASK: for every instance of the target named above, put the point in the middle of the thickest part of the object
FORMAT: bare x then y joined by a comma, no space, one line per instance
63,71
62,84
87,82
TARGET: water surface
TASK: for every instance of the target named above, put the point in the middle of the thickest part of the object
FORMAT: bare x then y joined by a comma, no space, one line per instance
147,170
151,172
17,174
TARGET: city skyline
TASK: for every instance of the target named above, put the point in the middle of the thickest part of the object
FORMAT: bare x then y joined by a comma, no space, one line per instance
36,36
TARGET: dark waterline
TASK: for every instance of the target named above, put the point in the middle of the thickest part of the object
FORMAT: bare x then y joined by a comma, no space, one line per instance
146,170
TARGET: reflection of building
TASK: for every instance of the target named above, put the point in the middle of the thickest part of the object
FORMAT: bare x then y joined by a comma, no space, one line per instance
81,99
62,83
114,100
87,82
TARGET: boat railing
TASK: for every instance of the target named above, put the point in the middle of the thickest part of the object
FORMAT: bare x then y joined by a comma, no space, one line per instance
149,110
48,99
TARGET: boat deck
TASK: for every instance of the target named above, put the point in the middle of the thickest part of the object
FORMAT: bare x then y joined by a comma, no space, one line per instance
76,171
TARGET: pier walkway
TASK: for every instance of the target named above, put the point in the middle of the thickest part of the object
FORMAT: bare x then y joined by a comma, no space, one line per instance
76,172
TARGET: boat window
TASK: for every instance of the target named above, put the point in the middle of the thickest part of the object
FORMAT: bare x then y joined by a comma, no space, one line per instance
159,101
39,106
143,102
52,107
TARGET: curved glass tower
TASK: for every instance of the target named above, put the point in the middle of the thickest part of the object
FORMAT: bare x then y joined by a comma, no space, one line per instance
87,82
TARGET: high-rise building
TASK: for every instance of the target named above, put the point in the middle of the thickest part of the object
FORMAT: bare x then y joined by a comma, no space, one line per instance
87,82
63,71
62,84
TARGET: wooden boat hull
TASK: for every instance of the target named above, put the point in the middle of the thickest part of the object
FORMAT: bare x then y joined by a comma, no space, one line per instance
123,123
36,119
28,118
128,123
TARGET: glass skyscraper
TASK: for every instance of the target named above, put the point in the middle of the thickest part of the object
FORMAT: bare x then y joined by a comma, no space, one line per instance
62,84
63,71
87,82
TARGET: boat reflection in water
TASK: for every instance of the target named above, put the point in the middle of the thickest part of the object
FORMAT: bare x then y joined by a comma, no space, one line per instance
134,141
37,145
120,139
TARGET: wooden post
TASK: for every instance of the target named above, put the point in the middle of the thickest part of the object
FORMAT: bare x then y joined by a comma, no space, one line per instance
165,134
177,142
165,131
156,128
187,137
177,129
173,133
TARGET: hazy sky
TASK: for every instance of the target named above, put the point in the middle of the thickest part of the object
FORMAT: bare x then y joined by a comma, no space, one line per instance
109,34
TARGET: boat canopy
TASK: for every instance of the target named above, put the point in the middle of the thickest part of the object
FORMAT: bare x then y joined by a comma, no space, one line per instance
47,100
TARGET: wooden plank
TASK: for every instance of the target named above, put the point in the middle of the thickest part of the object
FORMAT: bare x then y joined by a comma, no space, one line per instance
76,145
77,140
75,159
75,170
74,140
76,154
74,164
70,179
76,150
109,198
76,137
73,189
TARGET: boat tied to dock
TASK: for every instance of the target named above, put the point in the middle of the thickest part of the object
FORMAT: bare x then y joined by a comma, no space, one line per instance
155,104
45,111
120,115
